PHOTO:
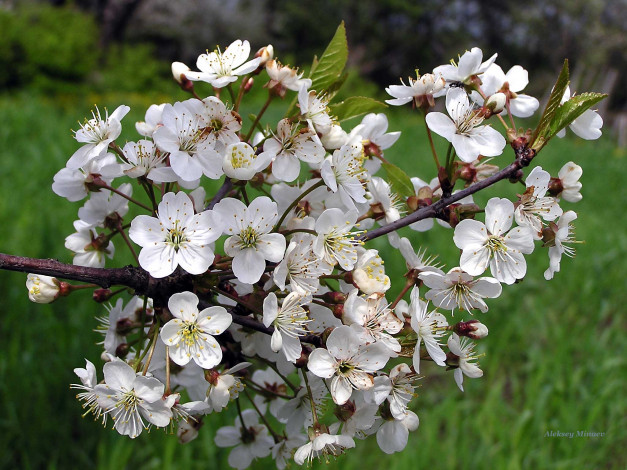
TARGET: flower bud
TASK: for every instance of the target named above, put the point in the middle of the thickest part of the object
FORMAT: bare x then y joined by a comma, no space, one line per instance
178,73
473,329
188,429
42,289
334,297
496,103
102,295
122,350
338,311
555,187
304,357
249,84
345,412
266,54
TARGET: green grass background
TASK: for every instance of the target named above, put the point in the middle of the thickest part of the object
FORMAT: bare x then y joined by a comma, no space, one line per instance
555,356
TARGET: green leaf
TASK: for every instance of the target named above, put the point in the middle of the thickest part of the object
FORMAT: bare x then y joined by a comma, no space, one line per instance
541,135
330,66
356,106
572,109
398,179
335,86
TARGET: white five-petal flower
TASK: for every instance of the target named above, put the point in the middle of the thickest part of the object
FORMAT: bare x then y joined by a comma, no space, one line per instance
491,243
429,328
130,399
189,335
464,349
175,237
97,133
464,130
221,68
348,361
251,242
457,289
289,323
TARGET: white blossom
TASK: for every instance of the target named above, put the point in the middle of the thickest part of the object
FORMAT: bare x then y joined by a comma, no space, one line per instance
289,321
563,233
97,133
42,289
323,445
464,349
423,85
190,334
494,244
291,145
463,128
175,237
221,68
534,205
569,176
130,399
249,439
429,329
457,289
242,162
348,362
250,242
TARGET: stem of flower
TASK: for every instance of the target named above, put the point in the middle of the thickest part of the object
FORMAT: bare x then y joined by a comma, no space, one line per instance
258,117
104,185
127,241
275,436
408,285
167,371
314,415
295,202
430,137
285,379
153,344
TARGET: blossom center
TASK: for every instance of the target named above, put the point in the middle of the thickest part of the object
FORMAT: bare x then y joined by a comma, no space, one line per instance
248,237
189,333
345,368
496,244
176,236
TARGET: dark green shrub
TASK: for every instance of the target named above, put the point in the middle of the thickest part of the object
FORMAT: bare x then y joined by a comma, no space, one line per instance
43,44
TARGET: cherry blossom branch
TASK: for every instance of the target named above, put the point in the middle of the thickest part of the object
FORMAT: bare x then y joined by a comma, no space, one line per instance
524,157
130,276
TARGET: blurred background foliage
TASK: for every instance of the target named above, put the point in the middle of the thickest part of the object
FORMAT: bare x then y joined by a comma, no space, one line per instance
126,43
555,351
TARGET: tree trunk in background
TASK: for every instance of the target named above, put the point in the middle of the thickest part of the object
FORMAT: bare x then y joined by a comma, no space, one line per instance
114,17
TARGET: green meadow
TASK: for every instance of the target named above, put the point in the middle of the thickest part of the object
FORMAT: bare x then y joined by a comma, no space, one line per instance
554,359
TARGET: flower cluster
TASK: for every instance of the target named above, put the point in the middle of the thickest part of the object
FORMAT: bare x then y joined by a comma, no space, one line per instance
264,294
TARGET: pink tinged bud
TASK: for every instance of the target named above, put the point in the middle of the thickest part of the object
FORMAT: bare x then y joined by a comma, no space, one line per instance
188,429
345,412
102,295
266,54
249,84
42,289
179,70
473,329
302,361
496,103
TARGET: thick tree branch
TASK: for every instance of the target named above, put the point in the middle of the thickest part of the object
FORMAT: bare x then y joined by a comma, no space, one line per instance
129,276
